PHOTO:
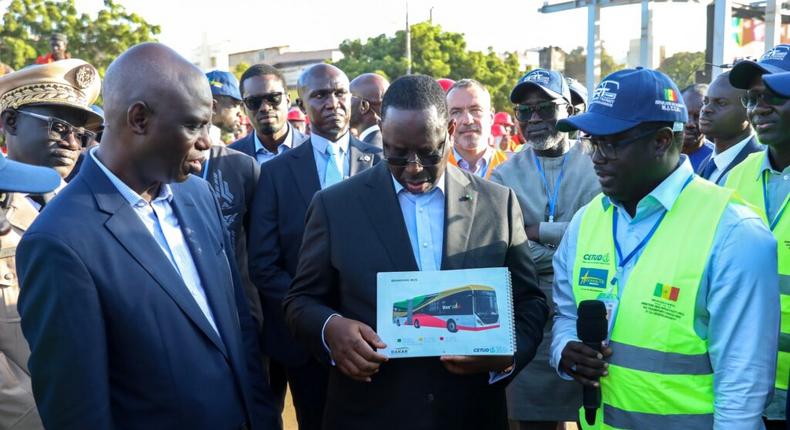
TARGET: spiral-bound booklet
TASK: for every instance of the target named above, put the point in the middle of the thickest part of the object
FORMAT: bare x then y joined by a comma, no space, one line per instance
446,312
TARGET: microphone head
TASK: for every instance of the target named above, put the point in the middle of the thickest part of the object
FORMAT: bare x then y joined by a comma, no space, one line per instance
591,325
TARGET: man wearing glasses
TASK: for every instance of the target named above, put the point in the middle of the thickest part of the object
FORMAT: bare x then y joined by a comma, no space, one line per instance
366,92
414,212
763,179
552,177
46,115
693,319
266,102
285,188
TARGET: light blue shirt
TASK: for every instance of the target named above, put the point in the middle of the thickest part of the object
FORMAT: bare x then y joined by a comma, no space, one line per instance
424,218
322,158
777,186
737,307
263,155
160,220
481,167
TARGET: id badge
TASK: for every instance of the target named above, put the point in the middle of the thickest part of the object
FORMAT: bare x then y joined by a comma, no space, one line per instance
611,302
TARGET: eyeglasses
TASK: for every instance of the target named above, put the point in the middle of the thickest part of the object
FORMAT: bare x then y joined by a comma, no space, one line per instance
424,160
60,129
545,110
608,149
254,102
750,99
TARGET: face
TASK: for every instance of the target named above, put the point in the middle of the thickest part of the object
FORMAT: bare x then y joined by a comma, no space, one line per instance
58,48
227,114
722,113
33,141
327,101
271,116
176,134
537,115
693,137
771,121
470,108
416,135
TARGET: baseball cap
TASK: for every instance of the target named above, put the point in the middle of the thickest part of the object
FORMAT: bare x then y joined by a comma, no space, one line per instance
578,92
627,98
776,60
25,178
779,83
503,118
223,84
295,114
445,83
552,83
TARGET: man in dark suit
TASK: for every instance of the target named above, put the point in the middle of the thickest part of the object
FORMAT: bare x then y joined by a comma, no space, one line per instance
412,213
723,119
367,90
266,103
134,313
286,186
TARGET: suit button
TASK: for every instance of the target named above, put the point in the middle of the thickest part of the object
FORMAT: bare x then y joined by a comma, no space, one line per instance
430,397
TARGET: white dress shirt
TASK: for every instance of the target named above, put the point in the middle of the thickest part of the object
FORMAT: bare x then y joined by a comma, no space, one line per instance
726,158
368,131
263,155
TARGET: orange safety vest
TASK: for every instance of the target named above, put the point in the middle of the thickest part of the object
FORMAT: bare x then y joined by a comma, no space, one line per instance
497,158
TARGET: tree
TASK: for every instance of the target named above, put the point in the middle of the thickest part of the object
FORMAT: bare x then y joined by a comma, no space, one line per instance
436,53
27,25
239,70
683,66
576,60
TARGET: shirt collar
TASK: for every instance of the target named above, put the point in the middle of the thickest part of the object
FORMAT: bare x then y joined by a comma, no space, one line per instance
320,142
728,155
398,187
668,191
368,131
481,163
287,142
767,166
131,196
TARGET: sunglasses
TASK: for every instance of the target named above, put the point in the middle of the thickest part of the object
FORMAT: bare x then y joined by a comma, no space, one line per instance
545,110
750,99
61,130
424,160
254,102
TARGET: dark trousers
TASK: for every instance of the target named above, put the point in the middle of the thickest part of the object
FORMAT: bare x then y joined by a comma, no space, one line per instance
308,388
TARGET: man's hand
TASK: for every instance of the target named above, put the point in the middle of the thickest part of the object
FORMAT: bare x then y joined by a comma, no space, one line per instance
471,364
351,343
533,232
585,364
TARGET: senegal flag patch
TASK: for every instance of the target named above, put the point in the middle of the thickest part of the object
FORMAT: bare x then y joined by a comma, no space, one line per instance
666,292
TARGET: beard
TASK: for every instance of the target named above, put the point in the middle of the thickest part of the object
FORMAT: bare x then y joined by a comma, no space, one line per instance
545,142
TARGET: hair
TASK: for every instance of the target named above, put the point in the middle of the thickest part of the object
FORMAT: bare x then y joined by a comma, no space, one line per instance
700,89
467,83
415,92
260,69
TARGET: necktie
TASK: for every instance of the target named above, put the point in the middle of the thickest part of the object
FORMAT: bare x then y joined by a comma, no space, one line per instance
333,173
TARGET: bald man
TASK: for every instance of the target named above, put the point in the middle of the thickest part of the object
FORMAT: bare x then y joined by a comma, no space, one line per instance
135,314
367,90
286,186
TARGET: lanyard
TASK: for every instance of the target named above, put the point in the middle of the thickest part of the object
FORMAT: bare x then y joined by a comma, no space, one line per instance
552,199
765,201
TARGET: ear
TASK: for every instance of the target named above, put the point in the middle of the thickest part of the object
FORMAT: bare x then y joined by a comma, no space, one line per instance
569,108
451,129
214,106
137,117
9,121
287,99
664,142
364,106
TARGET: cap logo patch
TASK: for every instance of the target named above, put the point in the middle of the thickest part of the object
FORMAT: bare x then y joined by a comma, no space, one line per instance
539,76
776,54
669,102
670,95
84,76
217,84
606,93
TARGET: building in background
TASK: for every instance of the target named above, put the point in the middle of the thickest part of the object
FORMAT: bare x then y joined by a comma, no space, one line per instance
552,58
290,63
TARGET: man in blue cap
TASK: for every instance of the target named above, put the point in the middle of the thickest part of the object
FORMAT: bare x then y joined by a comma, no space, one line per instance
552,177
683,300
761,179
233,176
16,395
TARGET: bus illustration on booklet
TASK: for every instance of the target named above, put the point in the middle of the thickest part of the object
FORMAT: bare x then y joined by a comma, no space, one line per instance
445,312
471,307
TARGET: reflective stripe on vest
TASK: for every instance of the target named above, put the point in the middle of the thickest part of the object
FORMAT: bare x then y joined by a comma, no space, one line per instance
659,370
746,180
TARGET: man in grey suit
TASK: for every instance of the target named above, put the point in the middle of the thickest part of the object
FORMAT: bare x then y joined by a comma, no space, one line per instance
285,188
366,93
412,213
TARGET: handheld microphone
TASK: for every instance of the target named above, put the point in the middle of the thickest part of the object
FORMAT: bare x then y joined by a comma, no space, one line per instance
592,328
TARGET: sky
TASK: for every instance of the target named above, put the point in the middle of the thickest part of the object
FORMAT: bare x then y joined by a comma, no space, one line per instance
321,24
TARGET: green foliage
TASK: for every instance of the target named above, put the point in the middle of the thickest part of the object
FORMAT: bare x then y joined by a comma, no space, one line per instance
682,67
28,24
240,69
575,63
436,53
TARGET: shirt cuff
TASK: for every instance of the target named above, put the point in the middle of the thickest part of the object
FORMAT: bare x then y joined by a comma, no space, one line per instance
323,340
494,377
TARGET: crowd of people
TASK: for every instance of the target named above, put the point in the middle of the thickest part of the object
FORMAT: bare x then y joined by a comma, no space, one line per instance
154,277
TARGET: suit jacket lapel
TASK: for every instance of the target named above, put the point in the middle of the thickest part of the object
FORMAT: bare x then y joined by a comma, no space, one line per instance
304,170
751,146
357,158
124,224
384,213
459,213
